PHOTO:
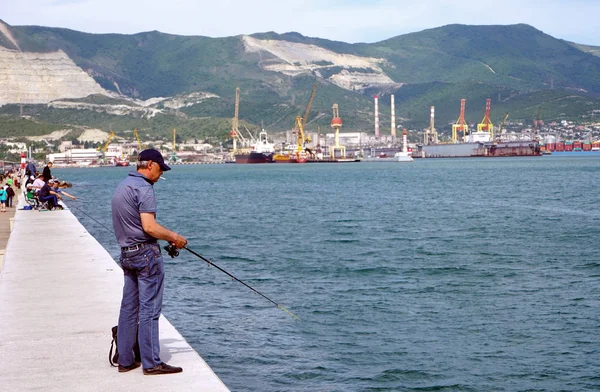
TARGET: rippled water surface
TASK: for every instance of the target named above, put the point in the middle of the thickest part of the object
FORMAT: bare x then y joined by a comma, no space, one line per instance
439,275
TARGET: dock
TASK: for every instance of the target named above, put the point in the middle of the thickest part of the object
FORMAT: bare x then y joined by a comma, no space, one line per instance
60,293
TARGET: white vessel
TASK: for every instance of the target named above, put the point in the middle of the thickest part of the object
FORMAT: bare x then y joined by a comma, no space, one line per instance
397,157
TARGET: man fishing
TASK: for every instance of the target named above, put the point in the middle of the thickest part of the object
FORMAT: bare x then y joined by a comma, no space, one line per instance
137,232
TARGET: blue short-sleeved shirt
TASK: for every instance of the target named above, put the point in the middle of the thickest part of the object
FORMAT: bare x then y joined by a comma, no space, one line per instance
134,195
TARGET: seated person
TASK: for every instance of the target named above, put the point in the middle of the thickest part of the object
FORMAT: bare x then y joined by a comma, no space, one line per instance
57,187
46,194
29,181
38,183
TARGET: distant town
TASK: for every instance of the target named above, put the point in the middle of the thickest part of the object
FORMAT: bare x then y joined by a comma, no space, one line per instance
108,149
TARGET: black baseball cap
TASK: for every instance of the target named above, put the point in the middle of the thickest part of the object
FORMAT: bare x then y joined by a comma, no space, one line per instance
154,156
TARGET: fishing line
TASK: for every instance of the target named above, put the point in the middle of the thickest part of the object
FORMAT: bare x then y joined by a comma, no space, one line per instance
86,214
172,251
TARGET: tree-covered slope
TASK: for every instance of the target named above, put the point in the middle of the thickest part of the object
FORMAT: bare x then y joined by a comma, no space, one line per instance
518,67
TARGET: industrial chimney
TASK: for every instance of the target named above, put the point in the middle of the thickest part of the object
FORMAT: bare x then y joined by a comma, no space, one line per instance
393,119
376,117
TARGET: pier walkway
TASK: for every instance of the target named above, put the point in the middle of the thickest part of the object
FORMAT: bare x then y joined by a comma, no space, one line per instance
60,292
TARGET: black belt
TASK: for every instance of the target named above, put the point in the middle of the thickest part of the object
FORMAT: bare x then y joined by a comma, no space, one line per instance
137,246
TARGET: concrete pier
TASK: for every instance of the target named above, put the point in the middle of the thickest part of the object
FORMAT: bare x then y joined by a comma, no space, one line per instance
60,292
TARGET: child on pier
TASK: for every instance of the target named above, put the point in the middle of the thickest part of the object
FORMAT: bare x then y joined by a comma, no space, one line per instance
3,196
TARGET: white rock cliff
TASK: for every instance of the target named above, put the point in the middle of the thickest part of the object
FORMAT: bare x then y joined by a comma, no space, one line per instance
37,78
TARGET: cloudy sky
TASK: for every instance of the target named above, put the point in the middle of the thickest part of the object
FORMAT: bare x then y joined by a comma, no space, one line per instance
343,20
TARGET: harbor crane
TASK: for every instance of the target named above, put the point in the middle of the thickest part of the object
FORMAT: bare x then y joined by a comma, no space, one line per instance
108,140
174,158
461,124
235,133
486,124
430,136
500,128
301,136
137,137
336,124
309,106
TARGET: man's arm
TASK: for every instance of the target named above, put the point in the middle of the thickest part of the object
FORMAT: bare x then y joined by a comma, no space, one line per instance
153,228
68,195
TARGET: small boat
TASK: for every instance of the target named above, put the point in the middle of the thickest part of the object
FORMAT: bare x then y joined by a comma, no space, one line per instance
290,158
124,161
397,157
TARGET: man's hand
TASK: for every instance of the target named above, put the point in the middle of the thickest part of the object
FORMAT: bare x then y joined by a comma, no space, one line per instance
179,242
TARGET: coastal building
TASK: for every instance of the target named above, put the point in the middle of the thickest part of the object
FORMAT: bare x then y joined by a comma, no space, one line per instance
75,156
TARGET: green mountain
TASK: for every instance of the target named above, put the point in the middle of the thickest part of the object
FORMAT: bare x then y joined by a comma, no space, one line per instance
518,67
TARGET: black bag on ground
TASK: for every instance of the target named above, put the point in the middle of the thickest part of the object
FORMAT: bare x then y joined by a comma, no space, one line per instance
114,359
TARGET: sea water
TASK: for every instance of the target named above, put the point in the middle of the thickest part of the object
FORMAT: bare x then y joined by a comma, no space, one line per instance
436,275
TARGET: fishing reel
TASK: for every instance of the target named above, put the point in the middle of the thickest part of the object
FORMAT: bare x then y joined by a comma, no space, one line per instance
171,250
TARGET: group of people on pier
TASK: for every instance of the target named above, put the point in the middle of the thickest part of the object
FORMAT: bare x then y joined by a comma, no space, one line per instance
9,182
41,189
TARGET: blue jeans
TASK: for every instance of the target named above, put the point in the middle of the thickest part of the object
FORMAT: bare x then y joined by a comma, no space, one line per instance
50,198
141,305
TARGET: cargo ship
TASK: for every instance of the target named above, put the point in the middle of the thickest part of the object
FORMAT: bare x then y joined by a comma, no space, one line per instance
262,151
480,144
290,158
480,149
474,143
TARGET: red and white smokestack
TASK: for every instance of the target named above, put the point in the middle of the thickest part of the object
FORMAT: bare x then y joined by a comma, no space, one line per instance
404,141
376,116
393,118
432,119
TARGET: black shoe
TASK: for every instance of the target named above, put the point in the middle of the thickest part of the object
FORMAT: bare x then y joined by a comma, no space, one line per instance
163,368
135,365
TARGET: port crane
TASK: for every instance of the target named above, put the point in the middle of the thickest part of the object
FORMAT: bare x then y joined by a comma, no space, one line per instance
108,140
486,124
430,136
502,124
336,124
174,158
309,106
235,132
137,137
302,138
461,124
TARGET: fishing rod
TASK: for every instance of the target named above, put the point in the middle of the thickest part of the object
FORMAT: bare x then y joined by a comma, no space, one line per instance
89,216
173,252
